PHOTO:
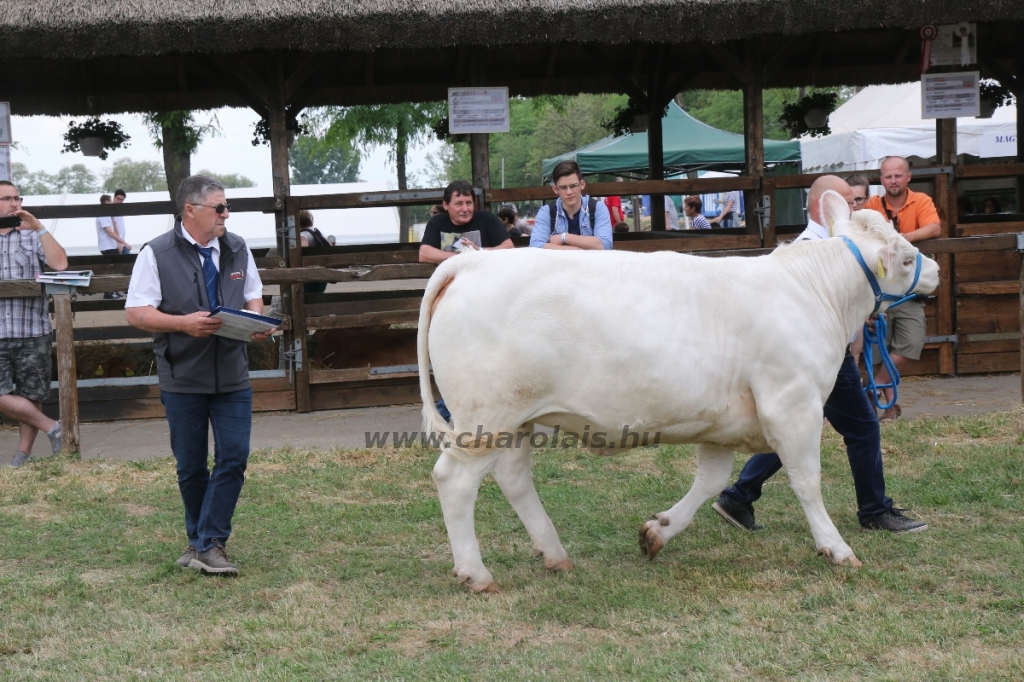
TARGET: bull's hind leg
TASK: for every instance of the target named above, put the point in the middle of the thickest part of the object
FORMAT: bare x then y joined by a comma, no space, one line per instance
514,476
458,481
798,444
714,464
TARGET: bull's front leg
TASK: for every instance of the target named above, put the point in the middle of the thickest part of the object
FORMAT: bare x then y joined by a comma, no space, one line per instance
799,448
458,481
714,464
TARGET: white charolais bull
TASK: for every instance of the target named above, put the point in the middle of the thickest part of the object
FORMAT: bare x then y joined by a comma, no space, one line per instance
734,354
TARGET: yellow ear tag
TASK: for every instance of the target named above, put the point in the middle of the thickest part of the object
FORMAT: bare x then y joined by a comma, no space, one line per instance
881,268
830,226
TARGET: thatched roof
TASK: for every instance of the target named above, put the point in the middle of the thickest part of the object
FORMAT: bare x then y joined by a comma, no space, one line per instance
93,28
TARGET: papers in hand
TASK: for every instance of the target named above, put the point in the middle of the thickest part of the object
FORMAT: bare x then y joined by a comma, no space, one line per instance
242,324
71,278
452,241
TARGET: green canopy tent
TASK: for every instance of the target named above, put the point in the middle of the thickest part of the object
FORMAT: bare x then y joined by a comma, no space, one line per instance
689,145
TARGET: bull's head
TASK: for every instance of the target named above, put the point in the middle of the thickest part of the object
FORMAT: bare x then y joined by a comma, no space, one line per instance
889,256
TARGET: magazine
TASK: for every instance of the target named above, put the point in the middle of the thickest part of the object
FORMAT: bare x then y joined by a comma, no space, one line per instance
242,324
450,240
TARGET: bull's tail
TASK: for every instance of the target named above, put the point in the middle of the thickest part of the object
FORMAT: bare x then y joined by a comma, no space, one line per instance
433,422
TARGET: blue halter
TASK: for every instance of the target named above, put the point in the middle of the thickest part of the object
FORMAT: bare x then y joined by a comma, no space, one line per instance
881,328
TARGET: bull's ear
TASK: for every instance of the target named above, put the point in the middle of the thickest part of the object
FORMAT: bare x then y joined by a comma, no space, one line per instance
887,258
833,208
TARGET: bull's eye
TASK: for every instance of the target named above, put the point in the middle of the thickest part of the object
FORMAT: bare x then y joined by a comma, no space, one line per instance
908,262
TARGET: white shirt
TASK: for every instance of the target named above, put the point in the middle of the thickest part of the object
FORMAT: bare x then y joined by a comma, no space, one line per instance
673,214
104,240
813,231
144,289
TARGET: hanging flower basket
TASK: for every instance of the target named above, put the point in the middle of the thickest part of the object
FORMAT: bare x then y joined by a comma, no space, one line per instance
640,123
993,95
809,115
292,128
630,119
94,137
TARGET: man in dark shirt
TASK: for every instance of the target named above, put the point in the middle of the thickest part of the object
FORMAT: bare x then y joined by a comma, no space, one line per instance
460,216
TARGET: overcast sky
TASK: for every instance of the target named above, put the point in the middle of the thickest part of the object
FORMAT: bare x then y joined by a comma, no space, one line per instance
41,139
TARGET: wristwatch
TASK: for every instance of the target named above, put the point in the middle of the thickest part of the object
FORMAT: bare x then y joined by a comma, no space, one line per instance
563,238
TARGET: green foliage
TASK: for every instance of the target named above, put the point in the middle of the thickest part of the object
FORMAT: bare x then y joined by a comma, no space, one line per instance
110,131
314,161
395,126
229,180
993,91
541,127
75,179
181,128
135,176
723,109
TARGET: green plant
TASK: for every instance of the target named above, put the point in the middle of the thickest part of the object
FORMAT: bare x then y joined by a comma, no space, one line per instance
109,131
794,115
995,92
261,128
622,120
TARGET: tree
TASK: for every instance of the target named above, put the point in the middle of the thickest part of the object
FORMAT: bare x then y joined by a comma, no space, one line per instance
314,161
76,179
395,126
178,135
135,176
229,180
723,109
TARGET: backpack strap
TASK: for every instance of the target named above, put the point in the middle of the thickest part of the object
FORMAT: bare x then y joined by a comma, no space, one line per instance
552,209
591,211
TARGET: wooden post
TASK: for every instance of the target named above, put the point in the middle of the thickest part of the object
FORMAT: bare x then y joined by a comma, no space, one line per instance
480,143
296,338
946,203
753,130
67,376
1020,319
1020,110
656,139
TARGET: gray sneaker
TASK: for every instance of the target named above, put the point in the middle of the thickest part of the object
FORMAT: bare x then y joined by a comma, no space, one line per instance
185,560
20,457
214,560
55,435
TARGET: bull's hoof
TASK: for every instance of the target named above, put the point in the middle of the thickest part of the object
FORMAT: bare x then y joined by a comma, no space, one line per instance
851,561
650,542
537,552
563,565
476,587
489,588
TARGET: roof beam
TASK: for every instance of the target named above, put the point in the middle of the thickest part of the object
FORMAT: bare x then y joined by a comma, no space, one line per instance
729,60
236,85
624,80
777,60
231,63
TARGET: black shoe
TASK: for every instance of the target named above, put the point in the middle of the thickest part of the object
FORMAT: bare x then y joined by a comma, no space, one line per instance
895,522
739,515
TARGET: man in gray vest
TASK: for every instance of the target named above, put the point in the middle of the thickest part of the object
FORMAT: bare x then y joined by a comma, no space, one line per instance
178,279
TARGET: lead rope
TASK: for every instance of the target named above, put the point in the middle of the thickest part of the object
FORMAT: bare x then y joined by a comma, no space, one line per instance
878,338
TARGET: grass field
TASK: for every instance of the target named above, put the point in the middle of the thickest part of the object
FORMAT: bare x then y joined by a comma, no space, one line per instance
346,573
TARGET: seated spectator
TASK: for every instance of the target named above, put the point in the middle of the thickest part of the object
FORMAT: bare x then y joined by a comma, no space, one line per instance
861,187
574,221
436,209
520,224
507,216
310,236
993,205
621,227
693,207
460,216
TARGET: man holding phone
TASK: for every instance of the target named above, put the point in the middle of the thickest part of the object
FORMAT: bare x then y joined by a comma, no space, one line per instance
25,368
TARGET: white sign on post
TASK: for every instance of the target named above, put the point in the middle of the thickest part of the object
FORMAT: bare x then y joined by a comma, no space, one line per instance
950,95
5,123
478,110
5,163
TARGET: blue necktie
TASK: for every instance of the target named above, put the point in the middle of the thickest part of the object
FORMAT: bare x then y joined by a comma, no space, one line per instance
210,275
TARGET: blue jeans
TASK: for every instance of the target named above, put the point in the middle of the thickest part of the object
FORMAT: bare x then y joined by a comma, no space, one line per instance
209,499
849,411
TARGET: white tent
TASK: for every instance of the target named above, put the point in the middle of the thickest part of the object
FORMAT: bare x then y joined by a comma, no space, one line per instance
349,225
884,120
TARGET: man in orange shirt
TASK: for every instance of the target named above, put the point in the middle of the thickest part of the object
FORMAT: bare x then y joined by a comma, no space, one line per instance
914,215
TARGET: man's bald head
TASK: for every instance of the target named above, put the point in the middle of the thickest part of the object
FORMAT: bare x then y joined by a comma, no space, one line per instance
895,162
822,185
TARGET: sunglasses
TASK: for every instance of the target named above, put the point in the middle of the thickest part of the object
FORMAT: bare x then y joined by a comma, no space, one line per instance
219,208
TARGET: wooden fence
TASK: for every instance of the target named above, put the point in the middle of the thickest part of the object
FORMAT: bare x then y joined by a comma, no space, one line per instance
974,320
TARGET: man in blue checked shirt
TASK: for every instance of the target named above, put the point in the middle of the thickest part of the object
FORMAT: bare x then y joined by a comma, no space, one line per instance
579,221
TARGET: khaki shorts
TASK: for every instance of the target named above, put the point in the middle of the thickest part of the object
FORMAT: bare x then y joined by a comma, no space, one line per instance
25,367
906,331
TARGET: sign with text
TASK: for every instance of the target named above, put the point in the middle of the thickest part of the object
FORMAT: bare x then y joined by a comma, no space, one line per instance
5,123
478,110
950,95
955,45
5,163
995,145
